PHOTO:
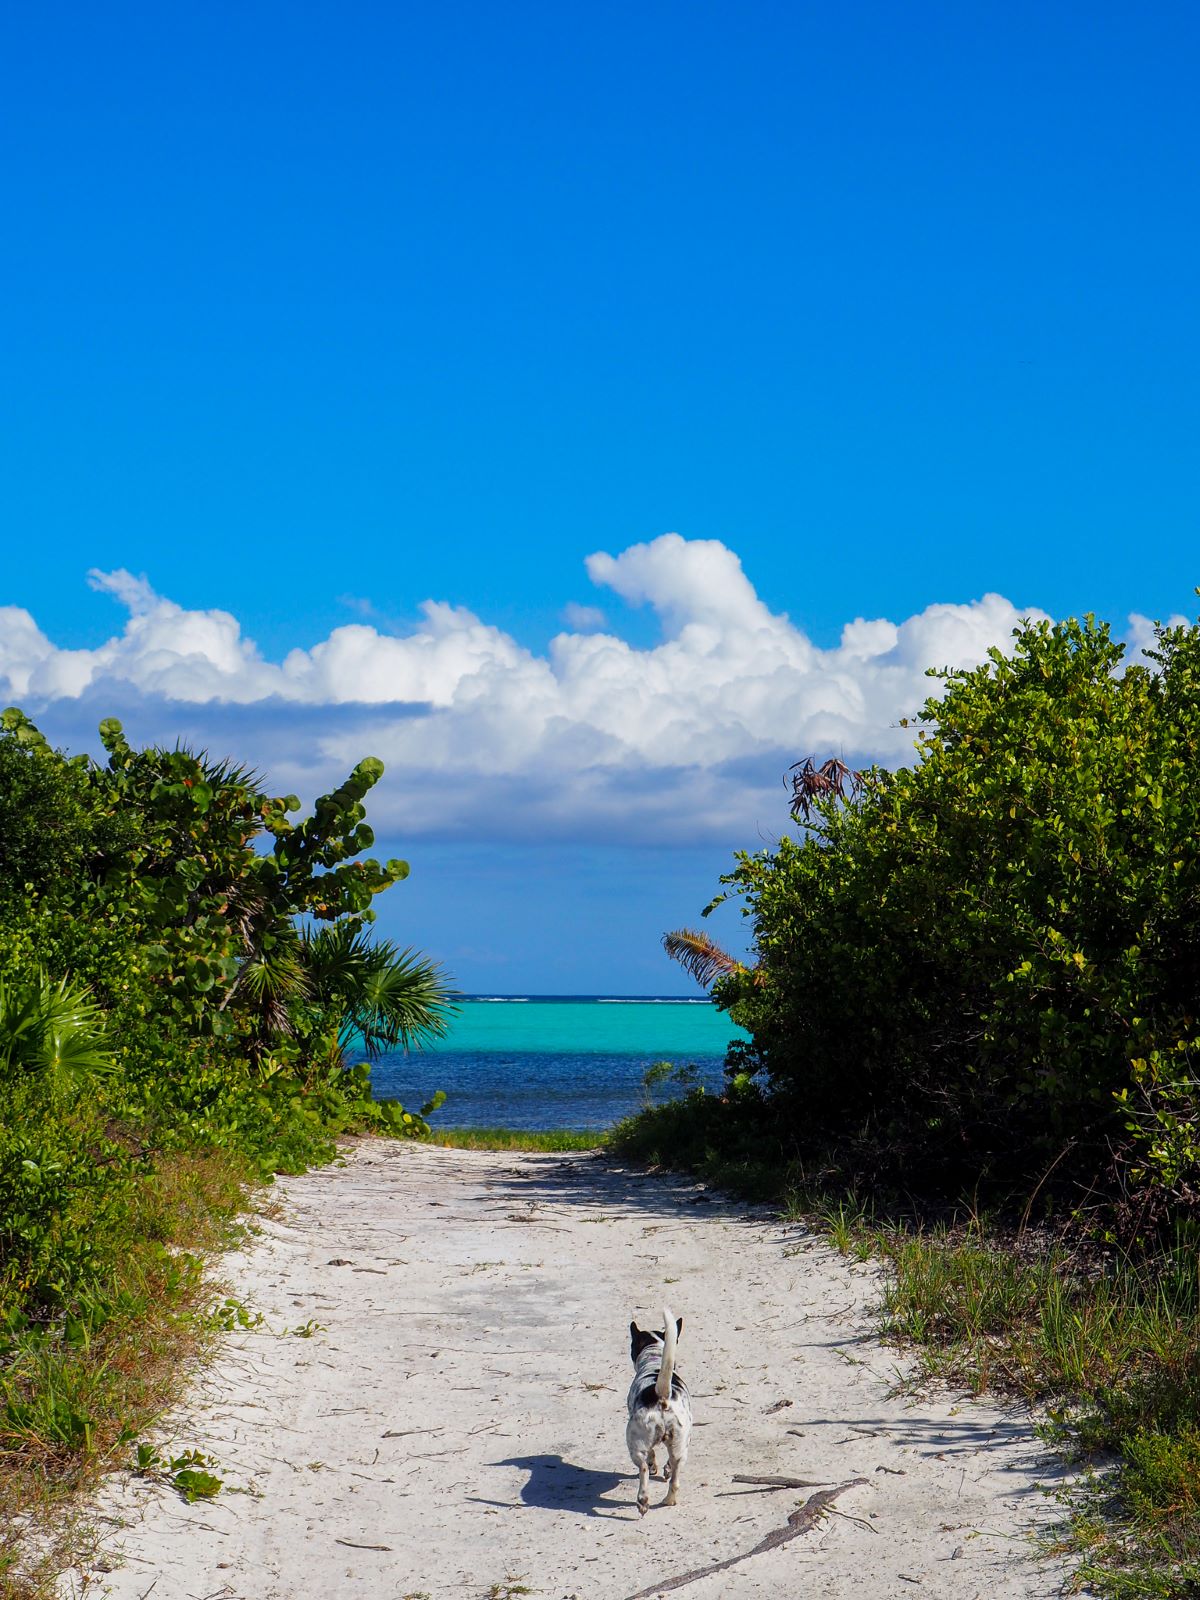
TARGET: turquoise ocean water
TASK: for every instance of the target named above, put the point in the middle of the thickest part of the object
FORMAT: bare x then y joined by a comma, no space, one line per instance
571,1061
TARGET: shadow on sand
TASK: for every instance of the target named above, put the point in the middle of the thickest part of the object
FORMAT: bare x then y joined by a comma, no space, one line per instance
593,1180
557,1485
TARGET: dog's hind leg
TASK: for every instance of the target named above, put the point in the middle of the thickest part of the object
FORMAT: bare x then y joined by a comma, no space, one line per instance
653,1464
642,1462
676,1456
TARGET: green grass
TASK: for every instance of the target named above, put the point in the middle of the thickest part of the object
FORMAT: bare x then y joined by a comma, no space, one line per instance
550,1139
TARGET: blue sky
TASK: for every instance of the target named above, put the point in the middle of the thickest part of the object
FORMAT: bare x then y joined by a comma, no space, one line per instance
316,315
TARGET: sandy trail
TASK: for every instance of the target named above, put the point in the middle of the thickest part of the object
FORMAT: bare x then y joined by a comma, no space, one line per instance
457,1427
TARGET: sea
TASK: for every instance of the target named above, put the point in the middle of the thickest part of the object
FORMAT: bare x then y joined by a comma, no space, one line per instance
557,1061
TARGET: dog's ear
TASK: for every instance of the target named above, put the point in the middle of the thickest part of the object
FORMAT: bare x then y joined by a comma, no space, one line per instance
634,1330
678,1326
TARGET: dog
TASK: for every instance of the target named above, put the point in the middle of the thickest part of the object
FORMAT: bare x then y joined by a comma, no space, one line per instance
660,1408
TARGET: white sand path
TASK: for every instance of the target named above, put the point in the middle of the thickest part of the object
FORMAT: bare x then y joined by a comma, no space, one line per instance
459,1422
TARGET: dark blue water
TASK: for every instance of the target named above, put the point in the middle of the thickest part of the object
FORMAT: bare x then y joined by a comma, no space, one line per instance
557,1061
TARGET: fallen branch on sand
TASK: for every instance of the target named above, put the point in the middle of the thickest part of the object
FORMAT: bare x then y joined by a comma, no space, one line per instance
800,1521
781,1483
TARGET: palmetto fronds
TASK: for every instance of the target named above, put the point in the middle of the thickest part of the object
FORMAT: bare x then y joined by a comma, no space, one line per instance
222,772
387,996
271,980
699,955
53,1028
335,957
404,1001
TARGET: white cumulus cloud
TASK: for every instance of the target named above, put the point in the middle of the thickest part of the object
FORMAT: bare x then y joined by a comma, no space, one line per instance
682,741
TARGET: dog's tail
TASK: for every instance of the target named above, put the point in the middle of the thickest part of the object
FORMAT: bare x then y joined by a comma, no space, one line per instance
662,1384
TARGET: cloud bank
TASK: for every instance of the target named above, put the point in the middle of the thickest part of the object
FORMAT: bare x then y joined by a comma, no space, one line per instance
593,739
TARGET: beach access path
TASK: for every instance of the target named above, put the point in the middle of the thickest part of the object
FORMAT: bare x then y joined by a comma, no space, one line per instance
434,1406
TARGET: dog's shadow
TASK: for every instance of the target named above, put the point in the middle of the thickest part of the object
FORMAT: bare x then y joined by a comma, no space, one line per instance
557,1485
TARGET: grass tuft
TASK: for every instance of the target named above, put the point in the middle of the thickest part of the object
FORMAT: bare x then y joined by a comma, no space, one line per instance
549,1139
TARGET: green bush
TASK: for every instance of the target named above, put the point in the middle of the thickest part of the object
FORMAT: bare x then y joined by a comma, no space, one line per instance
48,819
987,965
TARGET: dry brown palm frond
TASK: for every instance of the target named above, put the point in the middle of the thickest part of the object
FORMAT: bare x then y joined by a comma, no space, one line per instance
699,955
811,782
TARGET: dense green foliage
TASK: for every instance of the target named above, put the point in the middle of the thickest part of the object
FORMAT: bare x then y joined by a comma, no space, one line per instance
184,971
986,965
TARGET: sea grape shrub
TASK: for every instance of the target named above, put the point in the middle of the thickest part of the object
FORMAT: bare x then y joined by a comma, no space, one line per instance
219,912
52,817
990,960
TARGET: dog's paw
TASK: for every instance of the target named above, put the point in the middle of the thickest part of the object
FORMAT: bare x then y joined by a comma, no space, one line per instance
643,1505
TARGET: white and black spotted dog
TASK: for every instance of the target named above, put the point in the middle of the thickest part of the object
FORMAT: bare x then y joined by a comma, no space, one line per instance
660,1408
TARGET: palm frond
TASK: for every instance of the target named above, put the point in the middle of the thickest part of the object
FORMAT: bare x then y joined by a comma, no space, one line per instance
52,1027
21,1025
403,999
277,970
382,996
271,980
335,957
220,771
698,954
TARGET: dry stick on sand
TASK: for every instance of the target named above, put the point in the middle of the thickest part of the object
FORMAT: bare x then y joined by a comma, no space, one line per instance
781,1483
801,1521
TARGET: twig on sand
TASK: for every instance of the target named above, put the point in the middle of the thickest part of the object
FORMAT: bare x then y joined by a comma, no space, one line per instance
353,1544
862,1522
800,1521
781,1483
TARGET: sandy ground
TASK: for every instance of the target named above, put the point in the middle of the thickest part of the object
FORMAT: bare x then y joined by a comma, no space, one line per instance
455,1428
